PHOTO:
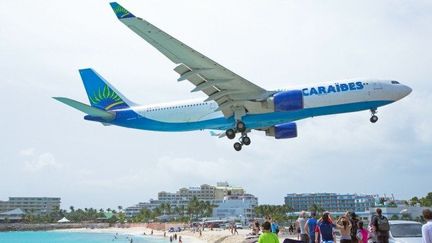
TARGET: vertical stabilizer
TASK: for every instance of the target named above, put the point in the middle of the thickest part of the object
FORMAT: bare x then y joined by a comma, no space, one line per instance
100,93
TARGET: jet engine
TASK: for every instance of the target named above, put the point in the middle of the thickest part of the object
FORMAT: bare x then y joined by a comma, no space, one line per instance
287,101
284,130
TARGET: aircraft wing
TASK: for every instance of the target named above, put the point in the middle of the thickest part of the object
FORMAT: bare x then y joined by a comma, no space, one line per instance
217,82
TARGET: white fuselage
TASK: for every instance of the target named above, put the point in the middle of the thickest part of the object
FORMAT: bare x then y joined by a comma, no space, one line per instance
198,111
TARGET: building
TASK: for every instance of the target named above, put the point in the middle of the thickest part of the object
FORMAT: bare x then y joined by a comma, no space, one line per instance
181,198
135,209
12,216
330,201
236,207
33,205
223,189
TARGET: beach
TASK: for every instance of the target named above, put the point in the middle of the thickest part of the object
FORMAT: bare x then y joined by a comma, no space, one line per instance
208,236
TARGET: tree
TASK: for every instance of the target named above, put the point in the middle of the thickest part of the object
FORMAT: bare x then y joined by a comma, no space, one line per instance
168,208
121,217
316,208
424,201
277,212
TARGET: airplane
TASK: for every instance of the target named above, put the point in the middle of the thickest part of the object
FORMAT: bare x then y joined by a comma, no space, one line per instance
233,105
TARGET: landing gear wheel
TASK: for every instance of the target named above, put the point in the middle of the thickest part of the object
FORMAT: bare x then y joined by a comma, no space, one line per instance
373,119
246,140
241,127
237,146
230,133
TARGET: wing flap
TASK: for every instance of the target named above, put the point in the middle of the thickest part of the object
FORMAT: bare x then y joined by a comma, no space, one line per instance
92,111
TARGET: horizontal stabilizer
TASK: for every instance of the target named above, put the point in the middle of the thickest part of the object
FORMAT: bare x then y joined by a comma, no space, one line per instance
219,135
92,111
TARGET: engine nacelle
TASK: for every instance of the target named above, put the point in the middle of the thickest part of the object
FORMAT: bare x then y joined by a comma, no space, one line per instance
288,100
285,130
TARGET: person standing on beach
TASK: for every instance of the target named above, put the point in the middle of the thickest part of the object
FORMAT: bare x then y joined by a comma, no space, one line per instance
256,228
343,224
267,236
427,228
372,238
301,221
324,229
362,233
354,226
274,227
310,226
382,226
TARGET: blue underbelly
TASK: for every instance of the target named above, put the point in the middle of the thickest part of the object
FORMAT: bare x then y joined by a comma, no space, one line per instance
252,121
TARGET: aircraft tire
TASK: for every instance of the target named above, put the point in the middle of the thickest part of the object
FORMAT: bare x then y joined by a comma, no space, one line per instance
230,133
373,119
246,140
237,146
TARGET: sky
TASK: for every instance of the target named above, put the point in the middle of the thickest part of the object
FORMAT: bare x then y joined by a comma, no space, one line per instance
47,148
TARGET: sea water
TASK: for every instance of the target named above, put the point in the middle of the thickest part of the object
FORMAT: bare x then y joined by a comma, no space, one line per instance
69,237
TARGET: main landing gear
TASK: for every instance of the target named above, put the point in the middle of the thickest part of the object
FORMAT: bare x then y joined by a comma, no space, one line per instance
243,140
373,118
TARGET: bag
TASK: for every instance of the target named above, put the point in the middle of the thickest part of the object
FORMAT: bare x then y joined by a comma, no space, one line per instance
359,235
383,224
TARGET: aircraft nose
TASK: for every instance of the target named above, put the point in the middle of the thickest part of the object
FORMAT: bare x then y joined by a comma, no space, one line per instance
405,90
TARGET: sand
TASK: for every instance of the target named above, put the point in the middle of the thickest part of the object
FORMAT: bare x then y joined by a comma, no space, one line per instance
208,236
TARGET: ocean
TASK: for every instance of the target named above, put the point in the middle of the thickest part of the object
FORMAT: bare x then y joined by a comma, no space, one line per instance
69,237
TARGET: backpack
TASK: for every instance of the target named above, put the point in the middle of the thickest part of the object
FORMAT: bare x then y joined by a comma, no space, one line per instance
383,224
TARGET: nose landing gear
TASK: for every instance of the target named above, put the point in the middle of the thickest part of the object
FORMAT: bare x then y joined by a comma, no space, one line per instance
373,118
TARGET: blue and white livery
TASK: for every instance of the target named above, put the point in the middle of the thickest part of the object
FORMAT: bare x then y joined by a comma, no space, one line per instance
233,105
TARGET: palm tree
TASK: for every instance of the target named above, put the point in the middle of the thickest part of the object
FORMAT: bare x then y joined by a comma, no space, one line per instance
72,209
120,208
182,210
316,208
168,208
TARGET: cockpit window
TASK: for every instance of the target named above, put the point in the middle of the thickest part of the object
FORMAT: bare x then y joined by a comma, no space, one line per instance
395,82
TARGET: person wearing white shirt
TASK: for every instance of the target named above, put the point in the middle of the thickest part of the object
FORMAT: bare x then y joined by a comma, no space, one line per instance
427,228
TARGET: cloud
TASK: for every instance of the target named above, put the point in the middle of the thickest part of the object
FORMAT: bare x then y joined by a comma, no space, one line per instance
39,161
27,152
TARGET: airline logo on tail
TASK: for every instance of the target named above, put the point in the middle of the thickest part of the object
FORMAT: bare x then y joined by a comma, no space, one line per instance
120,11
107,99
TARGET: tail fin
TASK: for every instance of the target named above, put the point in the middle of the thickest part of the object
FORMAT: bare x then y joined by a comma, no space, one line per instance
100,93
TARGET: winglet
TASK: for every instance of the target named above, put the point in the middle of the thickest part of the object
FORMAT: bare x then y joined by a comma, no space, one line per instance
121,12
